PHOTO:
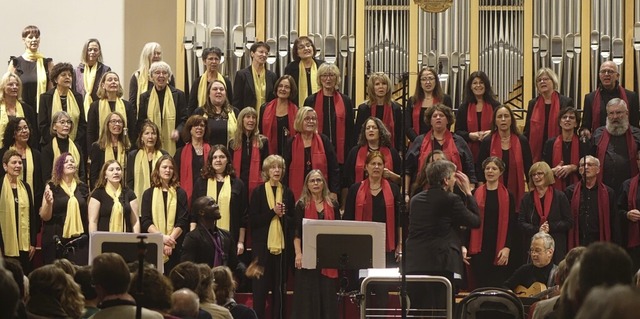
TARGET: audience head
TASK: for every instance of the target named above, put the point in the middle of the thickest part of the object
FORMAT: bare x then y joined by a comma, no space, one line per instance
541,249
67,266
14,267
156,290
185,303
110,274
604,302
225,285
185,275
9,295
603,263
83,279
206,287
50,285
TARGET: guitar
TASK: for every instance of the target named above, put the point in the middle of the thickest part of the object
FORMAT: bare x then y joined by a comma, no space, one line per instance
537,290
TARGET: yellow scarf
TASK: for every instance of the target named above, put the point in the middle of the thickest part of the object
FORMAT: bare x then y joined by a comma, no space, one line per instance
88,77
202,88
142,175
104,109
275,239
163,223
30,164
72,109
41,73
143,86
4,116
109,155
13,243
116,221
260,83
166,122
224,200
73,150
302,79
72,223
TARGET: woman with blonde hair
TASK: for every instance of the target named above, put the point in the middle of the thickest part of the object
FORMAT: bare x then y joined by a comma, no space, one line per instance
140,80
220,114
164,210
112,206
380,105
11,105
248,149
109,99
112,145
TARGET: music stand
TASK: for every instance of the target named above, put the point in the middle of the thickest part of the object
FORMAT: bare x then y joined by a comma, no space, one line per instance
126,245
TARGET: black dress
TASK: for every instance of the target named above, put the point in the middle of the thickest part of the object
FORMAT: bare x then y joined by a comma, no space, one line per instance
106,204
55,226
216,127
27,71
34,229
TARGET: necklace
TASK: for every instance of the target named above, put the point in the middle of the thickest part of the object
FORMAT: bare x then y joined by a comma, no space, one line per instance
375,189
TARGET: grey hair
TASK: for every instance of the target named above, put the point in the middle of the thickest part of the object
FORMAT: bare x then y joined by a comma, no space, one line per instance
549,243
590,158
439,170
616,101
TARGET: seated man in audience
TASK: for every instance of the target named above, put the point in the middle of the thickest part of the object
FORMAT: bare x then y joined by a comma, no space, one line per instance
185,304
111,279
540,269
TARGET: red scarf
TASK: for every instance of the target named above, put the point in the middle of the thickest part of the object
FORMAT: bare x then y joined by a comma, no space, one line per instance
255,166
362,156
364,209
595,107
632,150
310,212
516,166
474,126
448,148
603,215
186,170
475,244
341,122
556,158
387,119
548,198
634,228
296,168
415,113
270,123
537,124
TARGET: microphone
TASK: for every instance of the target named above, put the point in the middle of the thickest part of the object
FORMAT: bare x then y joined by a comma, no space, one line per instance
56,239
77,240
125,131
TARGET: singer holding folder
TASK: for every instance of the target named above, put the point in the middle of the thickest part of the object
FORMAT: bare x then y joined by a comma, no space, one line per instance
64,212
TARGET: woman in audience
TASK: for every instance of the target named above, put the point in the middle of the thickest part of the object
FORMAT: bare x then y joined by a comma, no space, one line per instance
155,293
62,98
61,142
164,210
198,96
110,100
141,162
89,72
164,105
224,291
428,93
64,212
542,112
315,289
334,110
563,152
221,116
190,158
380,105
507,144
53,294
545,209
16,137
374,136
11,106
490,245
303,69
218,180
313,151
32,68
19,224
277,116
112,145
473,120
140,80
112,207
249,148
271,243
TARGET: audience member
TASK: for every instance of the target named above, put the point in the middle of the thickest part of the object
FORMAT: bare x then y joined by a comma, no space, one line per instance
225,289
155,293
541,269
9,295
184,304
83,279
53,294
186,275
617,302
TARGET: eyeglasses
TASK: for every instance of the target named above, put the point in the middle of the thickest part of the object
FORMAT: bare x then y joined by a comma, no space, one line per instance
116,122
161,73
22,129
608,71
65,122
328,75
543,79
537,174
315,181
302,46
536,251
427,79
310,119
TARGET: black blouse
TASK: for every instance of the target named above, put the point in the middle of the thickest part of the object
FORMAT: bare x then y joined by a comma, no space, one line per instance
106,204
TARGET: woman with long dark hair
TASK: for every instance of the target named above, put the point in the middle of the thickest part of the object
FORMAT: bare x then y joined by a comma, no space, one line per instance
190,159
428,92
277,116
249,149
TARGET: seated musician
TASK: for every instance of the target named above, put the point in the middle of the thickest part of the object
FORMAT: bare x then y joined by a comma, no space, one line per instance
541,269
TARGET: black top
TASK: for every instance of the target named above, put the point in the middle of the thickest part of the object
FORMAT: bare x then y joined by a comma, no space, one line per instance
34,219
198,247
588,214
412,132
197,163
244,93
133,88
605,96
349,169
617,164
462,122
299,215
216,127
106,204
93,121
329,121
46,112
181,213
245,161
237,206
32,120
193,93
364,112
527,274
485,151
466,158
547,154
333,171
293,69
28,73
47,158
131,159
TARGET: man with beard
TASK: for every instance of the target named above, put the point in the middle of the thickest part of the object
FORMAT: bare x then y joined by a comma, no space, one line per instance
609,88
616,145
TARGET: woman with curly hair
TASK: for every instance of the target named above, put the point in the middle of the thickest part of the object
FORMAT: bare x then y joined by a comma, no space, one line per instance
221,115
11,104
164,210
64,212
16,137
53,294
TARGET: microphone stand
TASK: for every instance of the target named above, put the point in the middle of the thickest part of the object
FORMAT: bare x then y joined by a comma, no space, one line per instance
404,212
123,181
142,251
